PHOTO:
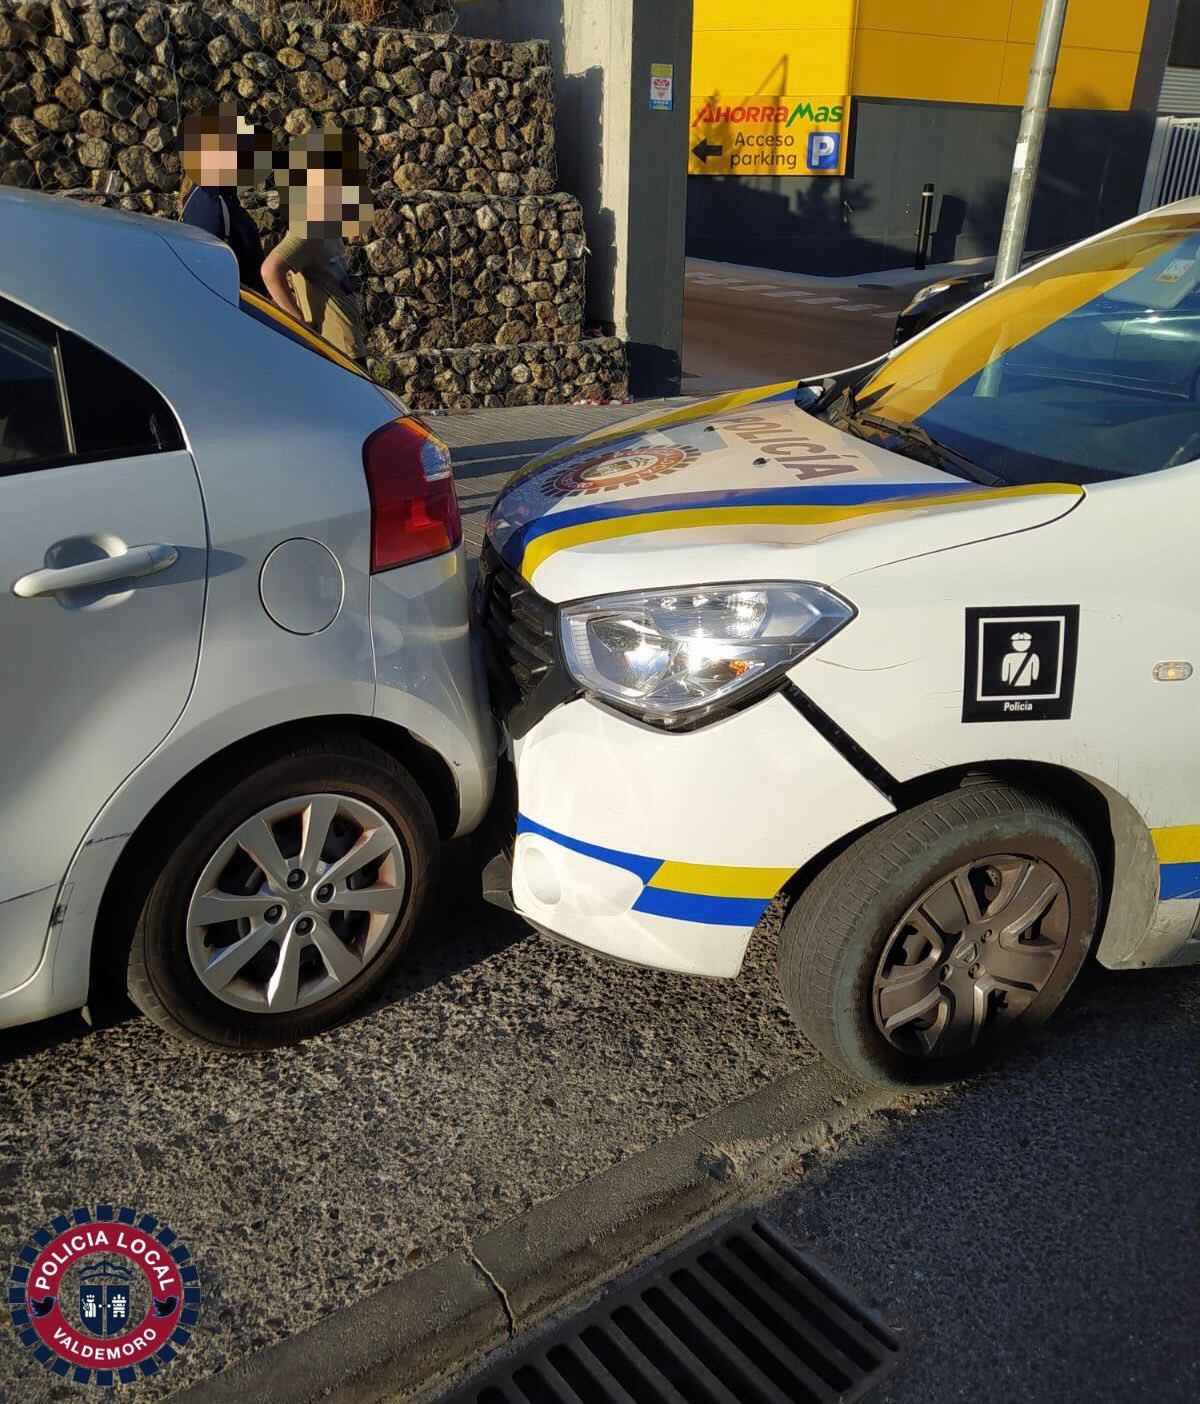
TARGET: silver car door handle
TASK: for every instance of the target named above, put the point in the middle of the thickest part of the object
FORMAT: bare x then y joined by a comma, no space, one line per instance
129,565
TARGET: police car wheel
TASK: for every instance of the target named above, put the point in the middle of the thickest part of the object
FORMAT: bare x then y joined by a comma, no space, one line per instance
943,935
290,887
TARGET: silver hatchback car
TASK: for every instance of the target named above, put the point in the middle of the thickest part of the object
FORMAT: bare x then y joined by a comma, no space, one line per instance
240,702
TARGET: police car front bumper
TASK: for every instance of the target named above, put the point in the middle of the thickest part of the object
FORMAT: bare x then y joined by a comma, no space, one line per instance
665,850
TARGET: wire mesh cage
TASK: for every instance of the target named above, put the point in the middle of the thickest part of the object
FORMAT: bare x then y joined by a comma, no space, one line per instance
470,244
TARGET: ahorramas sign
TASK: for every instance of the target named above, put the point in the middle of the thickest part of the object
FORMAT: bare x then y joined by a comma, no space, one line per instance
771,136
784,115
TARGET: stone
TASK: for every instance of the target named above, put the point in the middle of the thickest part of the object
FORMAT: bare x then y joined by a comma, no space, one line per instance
424,110
117,101
91,21
408,82
384,256
242,29
17,100
139,167
53,117
314,90
298,121
390,53
94,123
221,50
260,65
150,27
94,153
57,52
154,79
26,130
13,34
291,58
159,137
273,32
65,25
72,94
123,41
100,65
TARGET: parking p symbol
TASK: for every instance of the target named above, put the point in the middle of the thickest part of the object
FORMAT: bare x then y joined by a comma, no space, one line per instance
824,150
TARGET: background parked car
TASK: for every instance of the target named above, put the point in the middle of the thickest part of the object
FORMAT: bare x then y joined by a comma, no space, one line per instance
240,703
937,300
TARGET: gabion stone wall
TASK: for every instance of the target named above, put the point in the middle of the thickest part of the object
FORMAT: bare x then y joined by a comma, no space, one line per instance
470,248
460,270
96,89
434,112
535,374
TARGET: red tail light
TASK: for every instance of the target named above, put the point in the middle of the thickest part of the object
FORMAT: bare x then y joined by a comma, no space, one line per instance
414,510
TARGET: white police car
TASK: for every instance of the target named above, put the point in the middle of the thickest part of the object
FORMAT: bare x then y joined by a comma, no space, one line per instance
911,647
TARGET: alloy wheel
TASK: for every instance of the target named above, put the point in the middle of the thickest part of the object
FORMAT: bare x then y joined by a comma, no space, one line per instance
296,902
970,955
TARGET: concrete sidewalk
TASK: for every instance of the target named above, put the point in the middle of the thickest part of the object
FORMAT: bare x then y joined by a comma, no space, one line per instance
887,278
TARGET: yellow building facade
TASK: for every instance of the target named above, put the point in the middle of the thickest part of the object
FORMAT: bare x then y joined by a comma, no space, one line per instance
769,77
923,50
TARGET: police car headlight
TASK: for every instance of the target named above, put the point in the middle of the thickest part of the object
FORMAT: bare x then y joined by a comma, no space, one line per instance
675,656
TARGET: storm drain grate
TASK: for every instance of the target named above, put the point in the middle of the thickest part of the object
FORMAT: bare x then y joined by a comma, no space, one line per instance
737,1316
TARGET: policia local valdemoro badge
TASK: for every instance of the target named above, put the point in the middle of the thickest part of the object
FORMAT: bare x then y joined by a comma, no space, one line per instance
1020,663
104,1296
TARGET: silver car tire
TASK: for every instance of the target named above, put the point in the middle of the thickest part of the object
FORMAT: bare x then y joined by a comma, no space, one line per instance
288,899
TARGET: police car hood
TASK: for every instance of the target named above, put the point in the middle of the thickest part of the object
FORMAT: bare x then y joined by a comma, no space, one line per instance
743,487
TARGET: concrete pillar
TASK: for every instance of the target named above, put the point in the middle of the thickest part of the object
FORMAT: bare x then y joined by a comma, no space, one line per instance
625,161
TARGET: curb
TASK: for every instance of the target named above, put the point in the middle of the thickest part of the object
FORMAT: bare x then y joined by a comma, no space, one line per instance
416,1334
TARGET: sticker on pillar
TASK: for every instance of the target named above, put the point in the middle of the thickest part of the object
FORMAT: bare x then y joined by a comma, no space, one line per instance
1020,663
662,87
824,151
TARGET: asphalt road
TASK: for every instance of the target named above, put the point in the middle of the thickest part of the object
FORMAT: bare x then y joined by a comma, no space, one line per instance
500,1069
1036,1233
745,326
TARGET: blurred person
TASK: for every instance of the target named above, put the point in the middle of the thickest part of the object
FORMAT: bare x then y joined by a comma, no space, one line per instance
308,274
222,151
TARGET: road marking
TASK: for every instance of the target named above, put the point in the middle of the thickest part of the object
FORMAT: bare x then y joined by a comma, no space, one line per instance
776,291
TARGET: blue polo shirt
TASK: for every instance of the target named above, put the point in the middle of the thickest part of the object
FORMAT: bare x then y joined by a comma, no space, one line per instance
220,212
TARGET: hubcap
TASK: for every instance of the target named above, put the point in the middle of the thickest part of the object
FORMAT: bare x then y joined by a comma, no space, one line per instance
296,902
970,955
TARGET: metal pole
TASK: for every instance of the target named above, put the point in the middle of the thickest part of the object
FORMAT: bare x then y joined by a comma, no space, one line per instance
1029,140
923,225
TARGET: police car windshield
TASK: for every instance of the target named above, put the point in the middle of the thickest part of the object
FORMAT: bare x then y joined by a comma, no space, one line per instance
1085,369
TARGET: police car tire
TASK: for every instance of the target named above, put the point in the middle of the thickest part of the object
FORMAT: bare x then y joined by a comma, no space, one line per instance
834,934
160,977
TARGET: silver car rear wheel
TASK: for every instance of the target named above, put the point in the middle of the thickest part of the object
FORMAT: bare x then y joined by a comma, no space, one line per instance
296,902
